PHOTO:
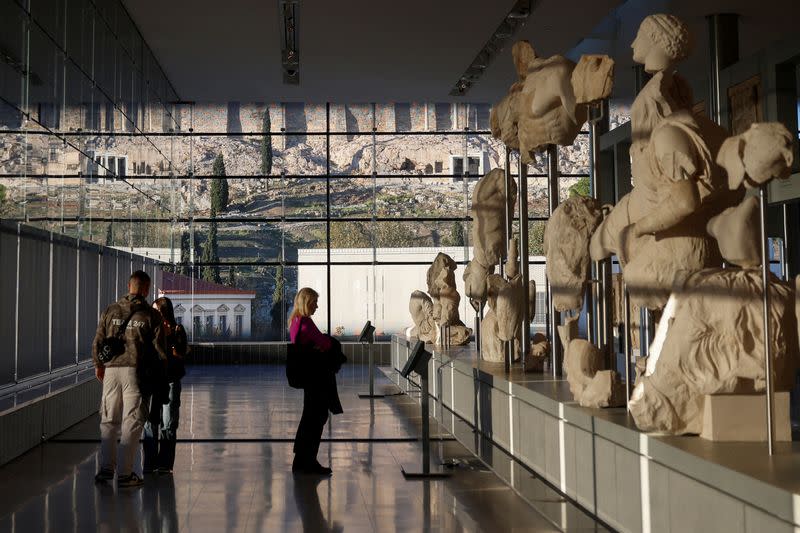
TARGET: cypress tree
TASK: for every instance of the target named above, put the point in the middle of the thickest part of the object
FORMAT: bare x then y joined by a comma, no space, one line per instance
186,254
458,234
277,313
219,187
109,234
232,277
266,146
211,255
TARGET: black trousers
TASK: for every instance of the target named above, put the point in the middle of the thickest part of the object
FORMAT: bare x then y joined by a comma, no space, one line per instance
309,432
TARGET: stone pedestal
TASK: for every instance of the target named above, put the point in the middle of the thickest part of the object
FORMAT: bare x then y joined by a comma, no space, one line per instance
743,417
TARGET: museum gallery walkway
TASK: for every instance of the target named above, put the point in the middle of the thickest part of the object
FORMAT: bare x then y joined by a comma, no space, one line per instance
233,471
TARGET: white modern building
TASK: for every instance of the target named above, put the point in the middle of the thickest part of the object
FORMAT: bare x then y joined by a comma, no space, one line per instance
213,310
380,293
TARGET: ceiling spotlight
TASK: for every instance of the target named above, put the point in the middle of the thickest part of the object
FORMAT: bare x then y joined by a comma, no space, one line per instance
521,14
290,56
513,20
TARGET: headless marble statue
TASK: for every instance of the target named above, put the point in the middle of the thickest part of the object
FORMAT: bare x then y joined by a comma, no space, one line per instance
442,288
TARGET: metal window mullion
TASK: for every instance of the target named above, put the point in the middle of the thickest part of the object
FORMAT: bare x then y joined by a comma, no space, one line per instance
16,307
77,297
374,209
50,308
328,206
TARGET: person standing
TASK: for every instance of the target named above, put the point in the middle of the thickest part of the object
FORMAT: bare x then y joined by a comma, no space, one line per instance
319,392
128,334
160,430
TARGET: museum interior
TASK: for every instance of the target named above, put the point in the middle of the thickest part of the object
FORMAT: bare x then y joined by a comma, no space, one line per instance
557,242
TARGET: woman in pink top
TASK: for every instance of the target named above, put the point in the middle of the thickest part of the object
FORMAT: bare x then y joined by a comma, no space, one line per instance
319,393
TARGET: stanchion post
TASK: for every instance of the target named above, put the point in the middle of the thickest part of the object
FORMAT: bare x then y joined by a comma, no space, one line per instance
554,318
626,342
507,345
418,362
770,384
593,315
367,337
426,425
785,249
524,258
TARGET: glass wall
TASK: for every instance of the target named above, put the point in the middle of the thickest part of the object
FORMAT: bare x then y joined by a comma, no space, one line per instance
242,203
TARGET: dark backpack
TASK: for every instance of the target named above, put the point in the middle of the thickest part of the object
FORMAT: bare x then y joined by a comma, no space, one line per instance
113,346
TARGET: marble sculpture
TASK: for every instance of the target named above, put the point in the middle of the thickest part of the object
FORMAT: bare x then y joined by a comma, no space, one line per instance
658,229
590,385
710,340
710,337
566,245
442,288
593,78
762,153
421,308
491,344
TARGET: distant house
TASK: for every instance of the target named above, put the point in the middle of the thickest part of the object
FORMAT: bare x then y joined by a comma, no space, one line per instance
214,311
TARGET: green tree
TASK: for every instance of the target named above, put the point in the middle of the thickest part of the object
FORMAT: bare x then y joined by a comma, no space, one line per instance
581,188
2,194
349,235
219,187
211,255
276,312
109,234
232,277
456,237
266,146
536,238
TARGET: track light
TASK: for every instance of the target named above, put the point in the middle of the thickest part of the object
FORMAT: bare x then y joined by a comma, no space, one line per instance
290,56
508,27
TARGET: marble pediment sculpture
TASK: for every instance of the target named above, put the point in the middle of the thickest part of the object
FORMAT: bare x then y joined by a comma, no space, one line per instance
590,385
509,306
420,306
547,110
710,340
488,212
491,344
737,231
442,288
757,156
512,263
593,78
566,245
475,281
658,229
541,107
661,43
488,231
504,115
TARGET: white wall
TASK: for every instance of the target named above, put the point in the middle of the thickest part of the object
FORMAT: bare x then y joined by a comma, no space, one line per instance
381,293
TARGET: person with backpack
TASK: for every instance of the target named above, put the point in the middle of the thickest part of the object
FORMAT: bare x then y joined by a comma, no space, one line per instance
160,430
321,358
129,334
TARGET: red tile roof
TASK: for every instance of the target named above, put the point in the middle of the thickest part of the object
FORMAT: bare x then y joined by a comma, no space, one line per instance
178,284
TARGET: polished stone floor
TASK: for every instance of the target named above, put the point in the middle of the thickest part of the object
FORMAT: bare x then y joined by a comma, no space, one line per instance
233,471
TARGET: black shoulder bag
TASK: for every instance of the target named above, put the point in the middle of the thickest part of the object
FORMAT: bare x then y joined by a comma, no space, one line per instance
111,347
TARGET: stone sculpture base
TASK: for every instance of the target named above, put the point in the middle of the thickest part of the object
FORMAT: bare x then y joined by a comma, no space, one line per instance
742,417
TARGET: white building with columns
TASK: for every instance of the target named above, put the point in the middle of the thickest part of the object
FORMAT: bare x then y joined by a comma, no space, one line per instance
209,310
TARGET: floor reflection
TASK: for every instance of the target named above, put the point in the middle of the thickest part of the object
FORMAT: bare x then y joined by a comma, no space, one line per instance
308,506
233,472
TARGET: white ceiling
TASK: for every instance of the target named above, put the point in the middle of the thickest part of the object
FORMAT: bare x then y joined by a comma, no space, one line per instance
410,50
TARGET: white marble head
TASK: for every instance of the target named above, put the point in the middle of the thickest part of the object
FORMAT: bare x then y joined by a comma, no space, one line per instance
661,43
